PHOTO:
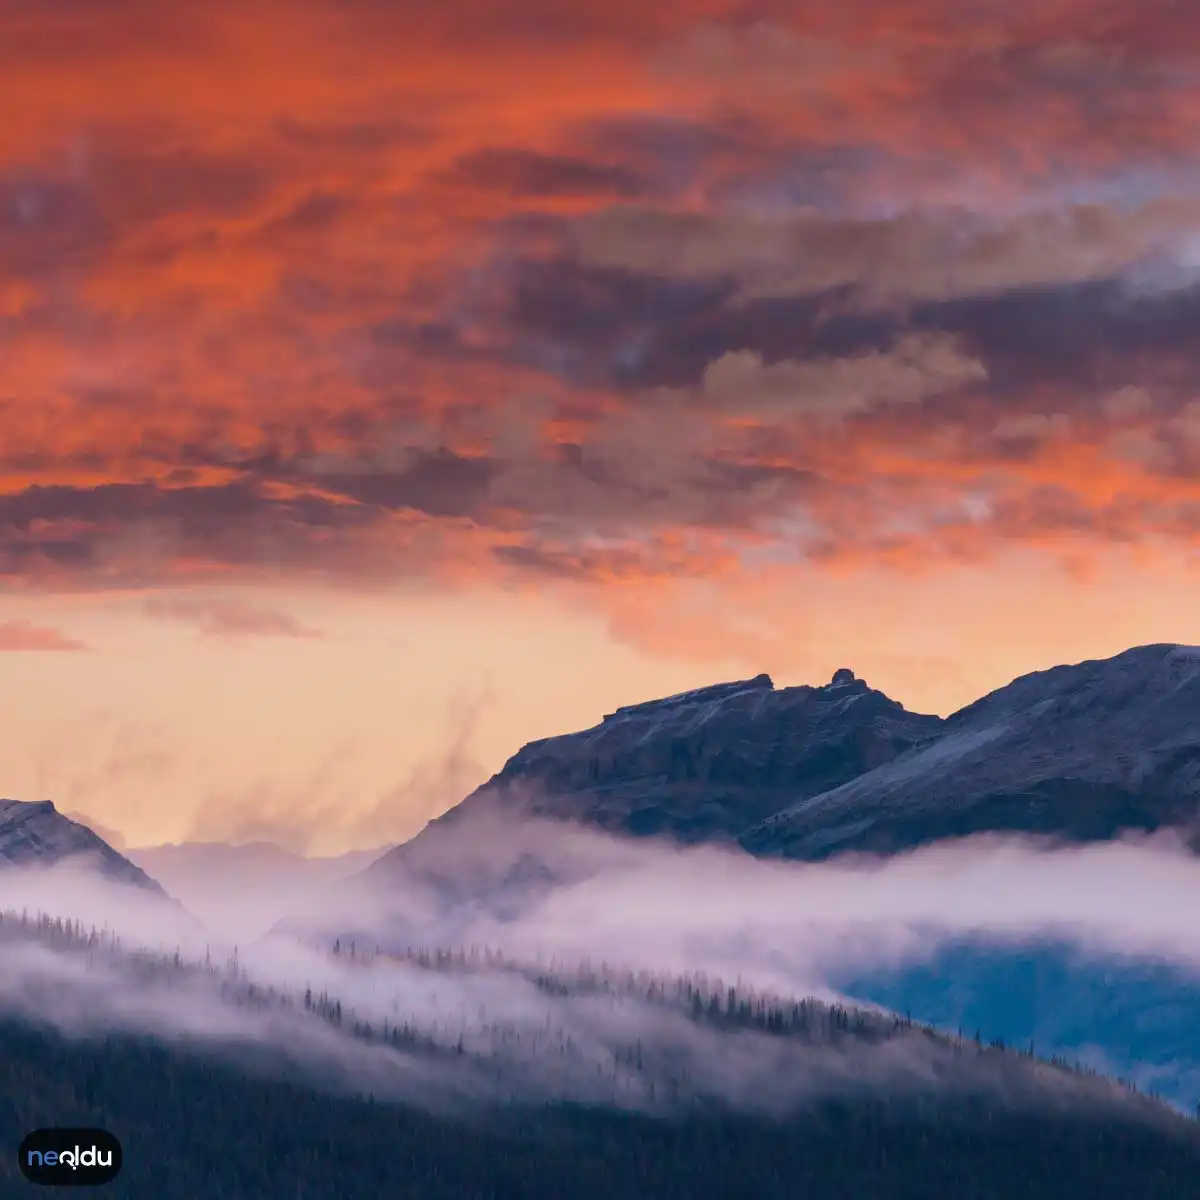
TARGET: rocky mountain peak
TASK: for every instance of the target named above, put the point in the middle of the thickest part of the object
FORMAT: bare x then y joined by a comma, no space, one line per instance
34,832
702,765
1083,751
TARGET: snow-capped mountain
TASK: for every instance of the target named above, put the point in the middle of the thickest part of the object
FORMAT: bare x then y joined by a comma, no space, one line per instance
703,765
699,766
1083,752
36,833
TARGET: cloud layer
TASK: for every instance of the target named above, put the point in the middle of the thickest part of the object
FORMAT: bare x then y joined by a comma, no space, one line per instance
23,635
719,919
569,293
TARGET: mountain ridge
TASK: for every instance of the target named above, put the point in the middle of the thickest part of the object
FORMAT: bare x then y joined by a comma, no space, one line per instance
1080,751
698,766
36,833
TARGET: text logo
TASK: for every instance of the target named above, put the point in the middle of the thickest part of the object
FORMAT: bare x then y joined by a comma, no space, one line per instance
66,1157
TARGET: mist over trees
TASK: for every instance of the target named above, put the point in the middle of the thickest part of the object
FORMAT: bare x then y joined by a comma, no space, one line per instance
236,1117
191,1125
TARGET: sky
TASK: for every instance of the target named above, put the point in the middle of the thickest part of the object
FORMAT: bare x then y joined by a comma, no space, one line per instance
384,385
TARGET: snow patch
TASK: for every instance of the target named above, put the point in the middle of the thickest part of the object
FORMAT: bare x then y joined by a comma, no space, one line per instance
949,748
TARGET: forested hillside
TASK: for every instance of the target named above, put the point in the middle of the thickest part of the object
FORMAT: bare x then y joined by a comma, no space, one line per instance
193,1127
202,1119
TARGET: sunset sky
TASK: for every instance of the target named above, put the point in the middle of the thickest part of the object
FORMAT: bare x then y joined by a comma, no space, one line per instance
384,384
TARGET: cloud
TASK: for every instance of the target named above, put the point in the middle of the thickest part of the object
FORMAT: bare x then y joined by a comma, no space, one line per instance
922,255
506,1035
779,924
914,369
22,635
312,348
297,815
719,918
229,618
773,61
526,173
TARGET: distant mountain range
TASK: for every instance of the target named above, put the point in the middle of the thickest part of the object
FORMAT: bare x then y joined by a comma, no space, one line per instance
246,887
188,864
210,879
1082,752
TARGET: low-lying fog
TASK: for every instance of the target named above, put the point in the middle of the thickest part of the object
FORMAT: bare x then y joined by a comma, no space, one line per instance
561,897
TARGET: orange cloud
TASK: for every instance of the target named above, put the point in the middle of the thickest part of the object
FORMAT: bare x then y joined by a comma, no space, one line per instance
229,617
23,635
554,292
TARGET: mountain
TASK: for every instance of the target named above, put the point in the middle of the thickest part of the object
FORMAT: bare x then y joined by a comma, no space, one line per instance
698,767
253,1134
1137,1018
1083,752
249,887
703,765
188,864
36,833
1080,752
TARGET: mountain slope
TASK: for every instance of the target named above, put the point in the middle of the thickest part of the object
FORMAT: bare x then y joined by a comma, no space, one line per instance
702,765
35,833
1136,1018
248,1136
1085,752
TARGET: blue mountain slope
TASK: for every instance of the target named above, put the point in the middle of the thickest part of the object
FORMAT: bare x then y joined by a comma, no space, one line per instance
1133,1018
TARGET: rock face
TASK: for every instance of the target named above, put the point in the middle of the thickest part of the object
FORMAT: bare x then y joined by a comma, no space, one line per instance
700,766
33,833
1083,752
